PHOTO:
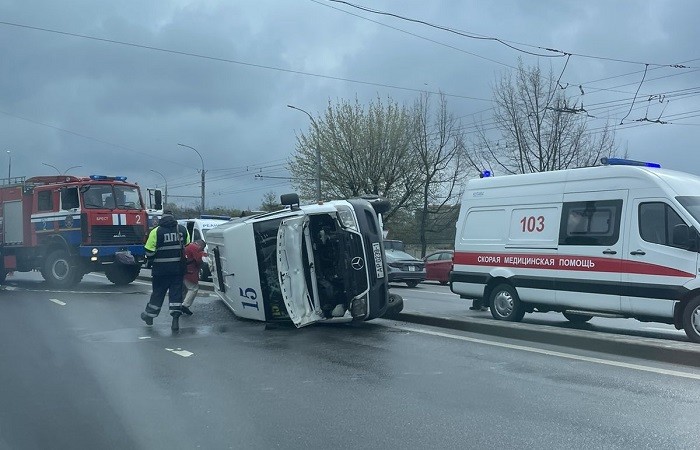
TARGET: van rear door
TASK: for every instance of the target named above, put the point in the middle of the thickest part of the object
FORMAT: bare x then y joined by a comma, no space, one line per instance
589,261
296,272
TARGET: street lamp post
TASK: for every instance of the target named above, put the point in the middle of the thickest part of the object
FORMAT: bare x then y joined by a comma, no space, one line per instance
318,153
9,166
165,197
71,167
203,172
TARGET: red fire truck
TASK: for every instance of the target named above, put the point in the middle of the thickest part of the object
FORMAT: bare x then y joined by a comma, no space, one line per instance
66,226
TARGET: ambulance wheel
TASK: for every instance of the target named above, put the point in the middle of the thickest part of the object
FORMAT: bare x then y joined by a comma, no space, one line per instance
121,274
691,319
59,270
577,318
505,304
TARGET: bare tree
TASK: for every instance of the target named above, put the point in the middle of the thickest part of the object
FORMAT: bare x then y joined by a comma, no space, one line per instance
540,128
363,151
270,202
438,143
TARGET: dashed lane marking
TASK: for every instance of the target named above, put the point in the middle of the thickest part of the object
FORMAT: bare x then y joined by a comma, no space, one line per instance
180,352
58,302
144,337
607,362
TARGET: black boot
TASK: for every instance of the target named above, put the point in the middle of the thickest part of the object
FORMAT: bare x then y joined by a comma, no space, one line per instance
147,319
185,310
175,326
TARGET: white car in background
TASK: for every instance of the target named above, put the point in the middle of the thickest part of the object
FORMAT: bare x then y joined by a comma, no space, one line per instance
198,229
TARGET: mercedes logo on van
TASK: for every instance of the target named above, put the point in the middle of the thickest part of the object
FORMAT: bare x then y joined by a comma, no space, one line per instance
357,263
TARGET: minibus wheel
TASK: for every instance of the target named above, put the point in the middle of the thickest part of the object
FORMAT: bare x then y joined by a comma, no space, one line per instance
691,319
505,304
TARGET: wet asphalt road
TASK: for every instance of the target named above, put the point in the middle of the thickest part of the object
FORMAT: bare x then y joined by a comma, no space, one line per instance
80,370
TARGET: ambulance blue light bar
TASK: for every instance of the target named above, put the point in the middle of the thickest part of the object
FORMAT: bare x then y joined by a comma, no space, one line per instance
485,174
106,178
627,162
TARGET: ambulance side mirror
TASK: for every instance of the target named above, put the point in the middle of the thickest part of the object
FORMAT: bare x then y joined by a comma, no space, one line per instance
684,237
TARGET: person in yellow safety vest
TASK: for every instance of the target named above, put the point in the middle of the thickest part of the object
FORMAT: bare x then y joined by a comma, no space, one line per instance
165,248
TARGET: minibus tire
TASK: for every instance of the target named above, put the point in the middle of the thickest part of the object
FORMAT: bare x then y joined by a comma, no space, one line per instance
691,319
577,318
505,304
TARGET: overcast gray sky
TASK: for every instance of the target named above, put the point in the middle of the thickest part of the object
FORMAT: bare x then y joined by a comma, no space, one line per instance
217,76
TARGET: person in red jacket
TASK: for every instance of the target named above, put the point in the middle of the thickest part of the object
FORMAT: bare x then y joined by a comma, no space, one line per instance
194,252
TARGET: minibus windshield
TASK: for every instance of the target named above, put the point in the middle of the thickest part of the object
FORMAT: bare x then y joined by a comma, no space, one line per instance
691,204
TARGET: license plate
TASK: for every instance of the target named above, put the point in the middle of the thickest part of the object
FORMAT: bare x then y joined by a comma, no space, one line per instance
411,268
378,262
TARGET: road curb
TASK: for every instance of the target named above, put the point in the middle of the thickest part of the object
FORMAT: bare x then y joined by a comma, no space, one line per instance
673,352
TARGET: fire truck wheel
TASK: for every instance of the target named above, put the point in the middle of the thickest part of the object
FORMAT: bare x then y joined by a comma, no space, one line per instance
59,270
691,319
121,274
505,304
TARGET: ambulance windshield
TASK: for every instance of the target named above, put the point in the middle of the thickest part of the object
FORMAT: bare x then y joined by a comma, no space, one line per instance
691,204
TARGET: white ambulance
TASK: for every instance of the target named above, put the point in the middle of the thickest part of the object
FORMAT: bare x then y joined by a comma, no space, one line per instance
618,240
310,263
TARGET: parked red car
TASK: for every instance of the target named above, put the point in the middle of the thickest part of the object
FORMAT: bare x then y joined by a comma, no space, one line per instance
438,266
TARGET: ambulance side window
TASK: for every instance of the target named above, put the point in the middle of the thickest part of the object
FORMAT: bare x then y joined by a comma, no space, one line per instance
590,223
656,222
45,201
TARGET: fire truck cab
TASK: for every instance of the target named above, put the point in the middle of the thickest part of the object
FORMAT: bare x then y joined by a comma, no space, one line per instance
66,226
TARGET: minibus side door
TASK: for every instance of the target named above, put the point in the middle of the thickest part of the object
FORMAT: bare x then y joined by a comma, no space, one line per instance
591,237
656,268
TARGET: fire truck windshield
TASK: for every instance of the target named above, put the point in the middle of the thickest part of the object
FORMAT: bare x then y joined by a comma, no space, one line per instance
106,196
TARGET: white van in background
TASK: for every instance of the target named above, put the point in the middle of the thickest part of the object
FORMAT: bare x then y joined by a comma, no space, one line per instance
619,240
198,228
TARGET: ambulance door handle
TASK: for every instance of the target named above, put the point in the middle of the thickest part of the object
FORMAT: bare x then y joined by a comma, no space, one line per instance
638,252
609,252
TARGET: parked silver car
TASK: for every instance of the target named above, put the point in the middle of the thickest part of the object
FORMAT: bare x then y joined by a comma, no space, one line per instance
405,268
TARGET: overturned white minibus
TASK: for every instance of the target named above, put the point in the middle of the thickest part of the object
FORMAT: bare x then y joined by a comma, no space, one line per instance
310,263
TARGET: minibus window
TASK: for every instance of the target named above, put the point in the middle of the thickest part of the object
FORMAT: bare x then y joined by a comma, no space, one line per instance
656,223
590,223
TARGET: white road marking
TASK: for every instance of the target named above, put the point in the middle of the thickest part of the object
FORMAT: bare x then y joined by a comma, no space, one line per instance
57,301
9,288
181,352
672,330
144,337
675,373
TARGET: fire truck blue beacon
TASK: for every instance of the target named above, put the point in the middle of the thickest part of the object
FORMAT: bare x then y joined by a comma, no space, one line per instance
617,240
307,263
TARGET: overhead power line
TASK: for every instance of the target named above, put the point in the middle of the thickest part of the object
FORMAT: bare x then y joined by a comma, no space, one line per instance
235,61
470,35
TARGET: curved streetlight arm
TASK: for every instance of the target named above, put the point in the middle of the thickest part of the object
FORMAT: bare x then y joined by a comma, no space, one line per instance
318,153
72,167
54,167
198,154
203,172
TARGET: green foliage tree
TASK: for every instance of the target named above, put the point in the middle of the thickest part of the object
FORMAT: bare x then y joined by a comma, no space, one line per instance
364,150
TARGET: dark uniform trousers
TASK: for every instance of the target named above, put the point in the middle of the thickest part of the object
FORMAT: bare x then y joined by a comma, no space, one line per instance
172,283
